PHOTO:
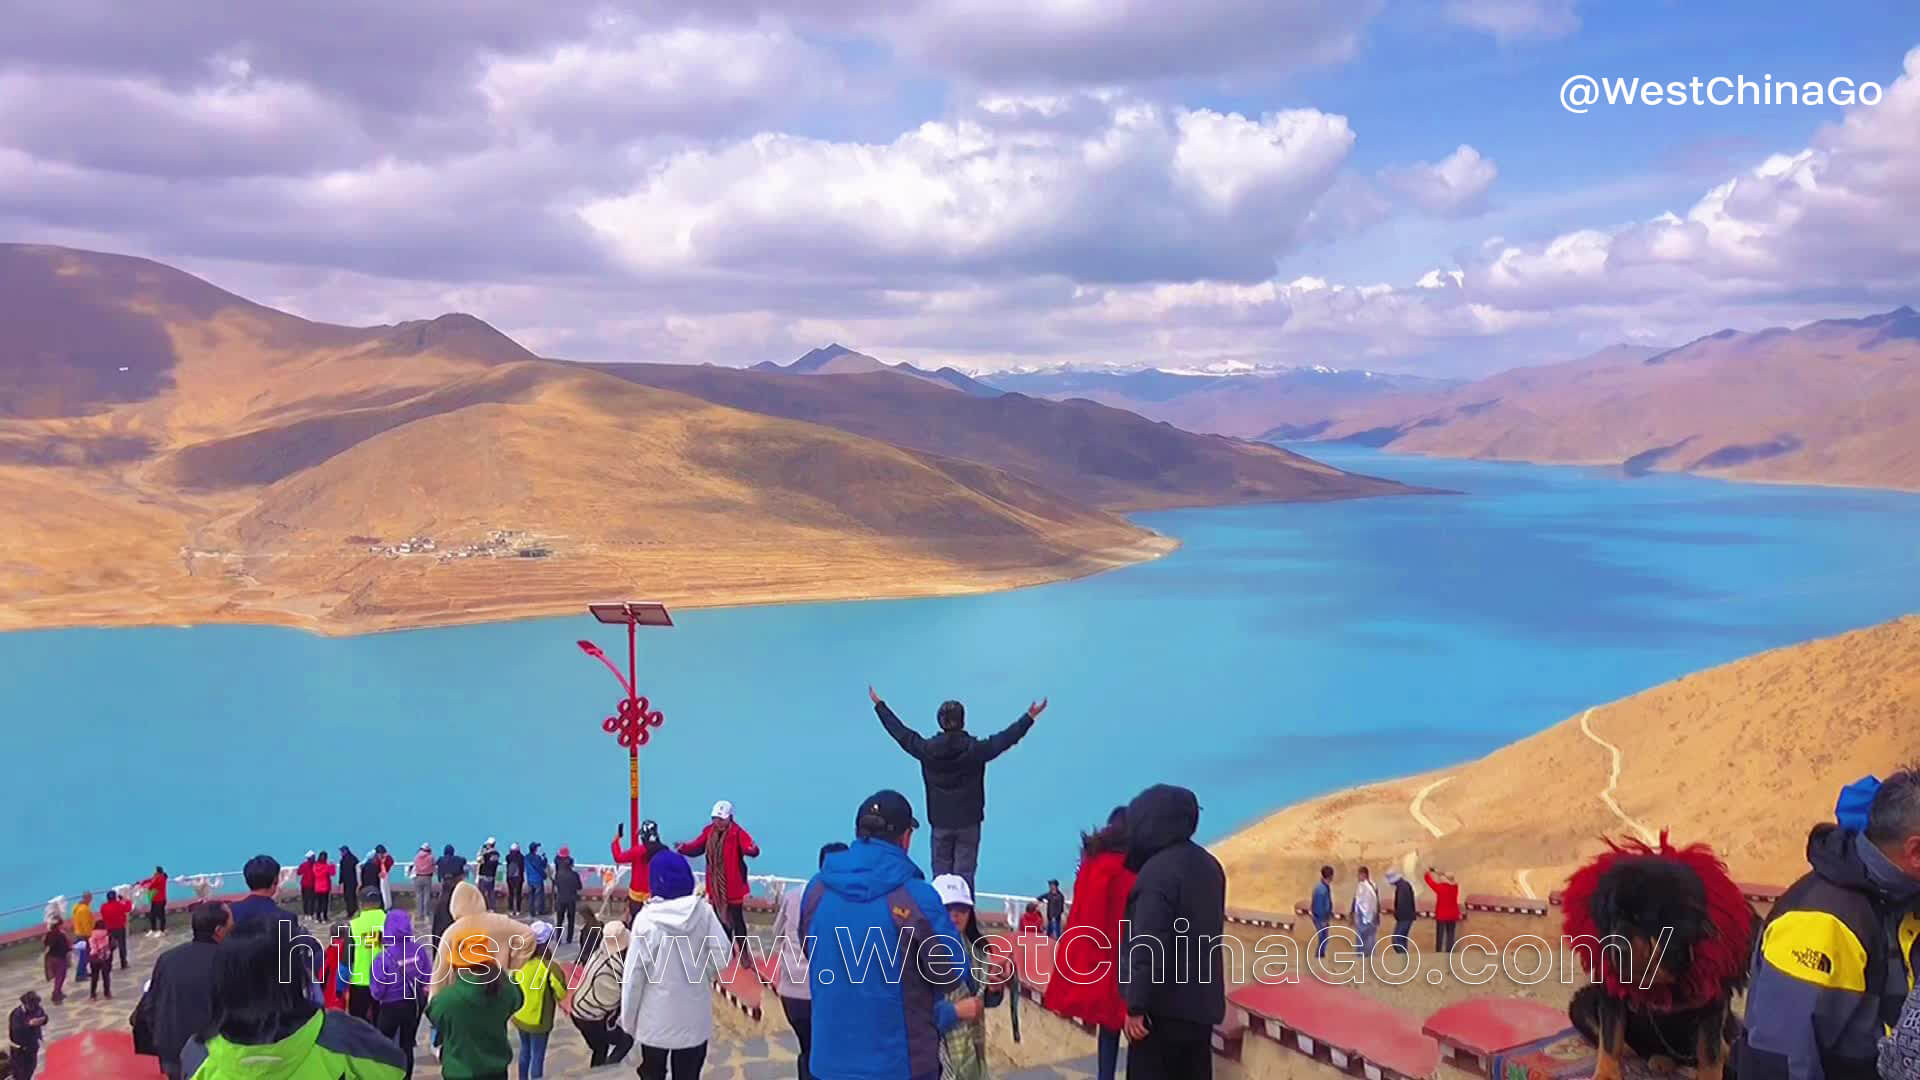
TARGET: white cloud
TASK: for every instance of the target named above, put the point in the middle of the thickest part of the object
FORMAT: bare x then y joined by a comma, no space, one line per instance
1453,186
1512,20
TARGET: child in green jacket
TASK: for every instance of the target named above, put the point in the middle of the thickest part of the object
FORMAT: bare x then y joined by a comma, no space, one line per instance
963,1049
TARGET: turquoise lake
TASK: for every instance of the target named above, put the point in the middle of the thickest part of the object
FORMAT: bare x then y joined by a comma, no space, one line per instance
1283,651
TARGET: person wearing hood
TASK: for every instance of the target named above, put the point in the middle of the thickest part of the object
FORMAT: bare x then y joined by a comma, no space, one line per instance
400,975
536,880
1836,959
516,879
678,947
953,764
1085,984
1176,909
595,1007
451,868
322,887
422,873
265,1027
1405,909
26,1027
471,1011
636,858
542,984
349,880
305,874
566,895
179,995
726,847
881,1013
486,872
790,960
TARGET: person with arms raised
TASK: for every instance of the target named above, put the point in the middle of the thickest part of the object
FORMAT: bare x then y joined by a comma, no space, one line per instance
726,847
953,765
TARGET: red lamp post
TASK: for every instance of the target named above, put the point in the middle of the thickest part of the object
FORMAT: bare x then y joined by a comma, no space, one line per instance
634,717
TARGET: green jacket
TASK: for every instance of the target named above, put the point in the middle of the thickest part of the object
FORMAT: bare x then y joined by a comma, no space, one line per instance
542,984
473,1027
963,1049
330,1046
367,929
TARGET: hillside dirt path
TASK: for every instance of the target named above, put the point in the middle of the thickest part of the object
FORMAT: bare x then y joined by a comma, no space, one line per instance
1613,778
1417,808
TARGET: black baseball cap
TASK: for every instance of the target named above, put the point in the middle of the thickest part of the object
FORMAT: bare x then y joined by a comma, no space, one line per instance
885,813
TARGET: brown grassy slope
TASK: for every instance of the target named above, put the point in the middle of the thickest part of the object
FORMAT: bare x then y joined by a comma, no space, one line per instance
1834,402
1746,757
1105,456
246,462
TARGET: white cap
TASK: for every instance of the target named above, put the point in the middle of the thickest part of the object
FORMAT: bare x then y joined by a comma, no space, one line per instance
542,932
723,809
426,847
953,889
515,846
490,841
309,854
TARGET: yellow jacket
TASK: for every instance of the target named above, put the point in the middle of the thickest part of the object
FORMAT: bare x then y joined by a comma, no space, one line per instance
82,919
543,984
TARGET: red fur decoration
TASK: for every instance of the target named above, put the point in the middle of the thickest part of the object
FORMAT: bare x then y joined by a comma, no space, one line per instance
1719,959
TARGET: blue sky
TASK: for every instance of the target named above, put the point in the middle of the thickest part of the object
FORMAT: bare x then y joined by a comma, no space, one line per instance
1218,184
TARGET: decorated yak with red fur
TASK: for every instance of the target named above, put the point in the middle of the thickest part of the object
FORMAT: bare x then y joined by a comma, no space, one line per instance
1666,937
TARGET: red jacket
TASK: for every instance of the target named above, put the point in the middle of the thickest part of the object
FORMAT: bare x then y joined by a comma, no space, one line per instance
1446,900
1086,982
635,858
734,851
306,873
158,884
322,876
113,914
1033,923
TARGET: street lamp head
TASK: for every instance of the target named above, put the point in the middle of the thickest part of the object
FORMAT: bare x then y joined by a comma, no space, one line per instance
591,649
632,613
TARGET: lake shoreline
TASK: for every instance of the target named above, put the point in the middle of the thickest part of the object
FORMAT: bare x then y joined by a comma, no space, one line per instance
1300,446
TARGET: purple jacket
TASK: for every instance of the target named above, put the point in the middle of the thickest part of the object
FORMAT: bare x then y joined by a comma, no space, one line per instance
401,970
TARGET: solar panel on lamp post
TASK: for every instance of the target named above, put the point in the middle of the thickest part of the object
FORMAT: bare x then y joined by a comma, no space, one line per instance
634,717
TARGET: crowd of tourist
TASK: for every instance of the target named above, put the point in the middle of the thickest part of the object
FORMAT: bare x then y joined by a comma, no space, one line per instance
1146,900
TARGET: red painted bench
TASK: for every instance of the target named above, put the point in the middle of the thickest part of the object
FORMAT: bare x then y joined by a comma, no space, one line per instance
95,1055
1472,1033
740,985
1340,1026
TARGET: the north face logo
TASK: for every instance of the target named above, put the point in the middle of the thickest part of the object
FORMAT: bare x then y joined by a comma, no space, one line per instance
1815,960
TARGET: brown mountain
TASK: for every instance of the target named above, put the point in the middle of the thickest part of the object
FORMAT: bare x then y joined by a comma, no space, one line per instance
1786,729
170,452
1834,402
1106,456
837,359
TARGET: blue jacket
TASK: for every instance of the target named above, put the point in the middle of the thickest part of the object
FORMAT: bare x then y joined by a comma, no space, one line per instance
536,868
1322,902
882,954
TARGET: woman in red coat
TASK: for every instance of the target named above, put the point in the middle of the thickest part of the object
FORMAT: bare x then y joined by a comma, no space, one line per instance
727,847
1086,980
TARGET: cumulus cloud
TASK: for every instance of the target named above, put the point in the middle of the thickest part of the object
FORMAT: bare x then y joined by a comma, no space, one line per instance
1139,192
1455,185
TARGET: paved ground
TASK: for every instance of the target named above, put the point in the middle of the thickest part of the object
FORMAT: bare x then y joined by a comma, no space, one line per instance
741,1049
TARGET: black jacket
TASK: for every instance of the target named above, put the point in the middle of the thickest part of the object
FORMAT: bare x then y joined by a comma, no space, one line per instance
489,865
1179,975
350,874
954,766
1405,907
181,996
516,866
451,868
1056,902
1831,969
566,883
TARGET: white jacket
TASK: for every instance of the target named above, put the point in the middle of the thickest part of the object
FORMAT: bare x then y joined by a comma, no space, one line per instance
1366,903
666,994
789,950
